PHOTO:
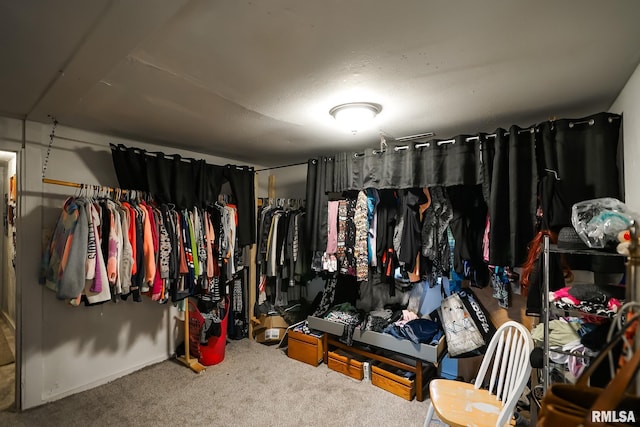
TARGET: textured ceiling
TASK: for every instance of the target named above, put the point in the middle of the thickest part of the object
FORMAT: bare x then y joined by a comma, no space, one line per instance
254,80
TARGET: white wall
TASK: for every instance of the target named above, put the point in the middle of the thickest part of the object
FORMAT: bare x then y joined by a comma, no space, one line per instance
10,140
628,104
291,182
64,349
4,303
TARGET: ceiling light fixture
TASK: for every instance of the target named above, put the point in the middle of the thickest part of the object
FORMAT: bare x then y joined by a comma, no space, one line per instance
355,116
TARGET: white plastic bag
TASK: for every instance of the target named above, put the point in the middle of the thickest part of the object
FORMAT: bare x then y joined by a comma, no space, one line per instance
598,221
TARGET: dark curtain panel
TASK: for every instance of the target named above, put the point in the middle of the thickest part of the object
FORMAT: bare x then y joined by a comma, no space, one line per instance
182,186
212,183
405,166
398,167
583,153
160,177
591,142
131,167
314,203
320,174
187,182
371,164
523,178
499,231
203,181
512,203
426,162
347,172
461,165
241,179
486,152
199,177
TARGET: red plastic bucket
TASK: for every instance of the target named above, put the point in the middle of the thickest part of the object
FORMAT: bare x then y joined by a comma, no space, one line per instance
213,352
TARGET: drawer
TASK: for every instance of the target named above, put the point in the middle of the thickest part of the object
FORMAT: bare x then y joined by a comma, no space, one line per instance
426,352
346,363
394,380
305,348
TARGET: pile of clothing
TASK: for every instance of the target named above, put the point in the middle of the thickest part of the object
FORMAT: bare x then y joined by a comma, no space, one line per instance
575,342
588,298
401,323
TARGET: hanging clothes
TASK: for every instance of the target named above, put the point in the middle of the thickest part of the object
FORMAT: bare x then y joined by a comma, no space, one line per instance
110,250
435,223
361,245
410,237
281,258
468,225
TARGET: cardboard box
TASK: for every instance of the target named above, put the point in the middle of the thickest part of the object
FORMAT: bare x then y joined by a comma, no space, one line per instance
393,380
305,348
270,330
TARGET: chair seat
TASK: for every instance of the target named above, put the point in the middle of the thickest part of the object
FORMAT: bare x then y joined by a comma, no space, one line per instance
460,404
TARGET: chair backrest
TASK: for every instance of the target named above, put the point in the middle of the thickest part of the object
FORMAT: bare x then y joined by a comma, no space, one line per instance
508,355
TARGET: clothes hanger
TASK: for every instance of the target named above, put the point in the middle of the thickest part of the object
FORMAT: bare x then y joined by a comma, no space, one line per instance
555,173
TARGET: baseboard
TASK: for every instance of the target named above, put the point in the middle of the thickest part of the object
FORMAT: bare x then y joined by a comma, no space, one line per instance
102,381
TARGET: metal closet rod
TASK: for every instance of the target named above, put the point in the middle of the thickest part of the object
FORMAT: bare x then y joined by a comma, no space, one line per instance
282,166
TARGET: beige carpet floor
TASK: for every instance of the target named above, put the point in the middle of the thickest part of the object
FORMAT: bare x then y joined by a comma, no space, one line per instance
255,385
6,355
7,370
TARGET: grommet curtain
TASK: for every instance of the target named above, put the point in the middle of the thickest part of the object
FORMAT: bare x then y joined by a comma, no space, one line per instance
187,182
512,166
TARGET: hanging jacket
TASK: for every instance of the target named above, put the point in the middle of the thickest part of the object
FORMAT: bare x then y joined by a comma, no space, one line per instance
361,249
147,248
113,244
126,261
56,255
131,234
72,279
95,222
99,291
117,236
92,250
210,242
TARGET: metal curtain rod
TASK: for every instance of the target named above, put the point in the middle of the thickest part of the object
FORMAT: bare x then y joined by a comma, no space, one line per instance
175,156
443,142
282,166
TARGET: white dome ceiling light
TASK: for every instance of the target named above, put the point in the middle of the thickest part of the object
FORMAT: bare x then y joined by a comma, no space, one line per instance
356,116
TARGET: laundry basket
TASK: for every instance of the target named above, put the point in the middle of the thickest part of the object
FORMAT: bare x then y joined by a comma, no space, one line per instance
213,352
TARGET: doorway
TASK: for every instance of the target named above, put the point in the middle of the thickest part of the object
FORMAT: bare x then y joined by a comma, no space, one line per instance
8,184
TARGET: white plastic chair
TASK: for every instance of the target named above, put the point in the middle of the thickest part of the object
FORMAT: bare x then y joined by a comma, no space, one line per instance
462,404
